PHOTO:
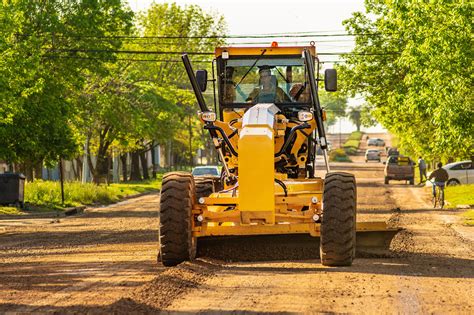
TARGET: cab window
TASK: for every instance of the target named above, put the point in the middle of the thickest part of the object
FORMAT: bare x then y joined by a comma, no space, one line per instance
271,80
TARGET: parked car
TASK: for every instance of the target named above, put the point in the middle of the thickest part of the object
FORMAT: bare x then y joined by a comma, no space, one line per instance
392,151
376,142
460,173
399,168
372,155
207,170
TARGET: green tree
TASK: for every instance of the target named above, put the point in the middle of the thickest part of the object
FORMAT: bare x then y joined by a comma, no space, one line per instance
40,73
413,64
335,105
194,31
354,116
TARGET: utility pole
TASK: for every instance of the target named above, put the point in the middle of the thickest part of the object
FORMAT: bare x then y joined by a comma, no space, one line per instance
61,178
190,141
340,136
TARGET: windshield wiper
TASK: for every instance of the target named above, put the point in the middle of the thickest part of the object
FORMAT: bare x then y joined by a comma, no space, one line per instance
284,78
256,60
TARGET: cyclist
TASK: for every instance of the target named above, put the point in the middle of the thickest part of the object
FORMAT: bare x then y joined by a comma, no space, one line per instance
440,178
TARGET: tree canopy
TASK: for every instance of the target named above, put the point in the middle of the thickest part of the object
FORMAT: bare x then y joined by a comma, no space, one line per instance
65,79
413,64
39,78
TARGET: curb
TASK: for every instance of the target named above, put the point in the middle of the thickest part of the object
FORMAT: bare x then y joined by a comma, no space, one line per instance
71,211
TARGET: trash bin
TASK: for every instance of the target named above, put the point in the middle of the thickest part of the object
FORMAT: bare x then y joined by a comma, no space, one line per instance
12,188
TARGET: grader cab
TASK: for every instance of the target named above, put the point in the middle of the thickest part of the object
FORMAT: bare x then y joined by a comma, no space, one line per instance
266,129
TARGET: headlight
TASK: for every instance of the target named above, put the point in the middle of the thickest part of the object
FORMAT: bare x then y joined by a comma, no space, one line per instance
208,116
305,116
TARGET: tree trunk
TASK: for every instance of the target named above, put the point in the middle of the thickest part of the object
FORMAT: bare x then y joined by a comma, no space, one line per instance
26,169
38,170
107,174
101,167
135,170
144,163
190,130
123,159
153,159
78,171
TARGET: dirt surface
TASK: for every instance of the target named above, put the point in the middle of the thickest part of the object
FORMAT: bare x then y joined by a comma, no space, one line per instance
104,261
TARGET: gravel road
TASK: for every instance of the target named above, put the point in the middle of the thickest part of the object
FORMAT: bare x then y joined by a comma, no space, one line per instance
104,261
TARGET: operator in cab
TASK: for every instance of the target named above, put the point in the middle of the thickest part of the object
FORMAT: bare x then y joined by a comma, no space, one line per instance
268,90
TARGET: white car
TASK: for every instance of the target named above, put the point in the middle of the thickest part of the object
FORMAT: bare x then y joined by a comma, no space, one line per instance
206,171
460,173
375,142
372,154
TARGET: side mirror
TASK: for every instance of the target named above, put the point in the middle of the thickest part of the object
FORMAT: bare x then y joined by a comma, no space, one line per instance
201,77
330,80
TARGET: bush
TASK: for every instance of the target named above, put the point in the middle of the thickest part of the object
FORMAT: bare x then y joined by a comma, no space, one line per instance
338,155
48,193
351,150
356,135
351,143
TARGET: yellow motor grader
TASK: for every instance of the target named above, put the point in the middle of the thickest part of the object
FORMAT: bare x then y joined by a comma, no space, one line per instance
266,129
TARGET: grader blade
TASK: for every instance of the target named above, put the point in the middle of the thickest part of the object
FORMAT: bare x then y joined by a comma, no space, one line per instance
374,238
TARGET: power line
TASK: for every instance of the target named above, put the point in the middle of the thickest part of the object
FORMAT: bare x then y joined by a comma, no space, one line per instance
286,35
150,52
139,52
121,59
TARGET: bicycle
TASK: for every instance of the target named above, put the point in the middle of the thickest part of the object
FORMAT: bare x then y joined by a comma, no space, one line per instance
438,198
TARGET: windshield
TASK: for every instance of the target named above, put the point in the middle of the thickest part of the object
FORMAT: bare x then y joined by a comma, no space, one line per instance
205,171
271,80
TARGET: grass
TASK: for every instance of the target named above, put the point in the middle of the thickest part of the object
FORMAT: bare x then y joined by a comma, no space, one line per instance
9,211
469,217
338,155
461,195
40,194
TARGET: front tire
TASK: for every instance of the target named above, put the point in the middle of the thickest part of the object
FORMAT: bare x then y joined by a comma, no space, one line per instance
338,220
178,196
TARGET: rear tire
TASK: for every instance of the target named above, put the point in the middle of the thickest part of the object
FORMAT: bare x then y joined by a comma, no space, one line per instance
178,195
453,182
338,220
204,186
412,181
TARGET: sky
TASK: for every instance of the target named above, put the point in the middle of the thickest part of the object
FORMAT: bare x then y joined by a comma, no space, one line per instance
245,17
322,17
